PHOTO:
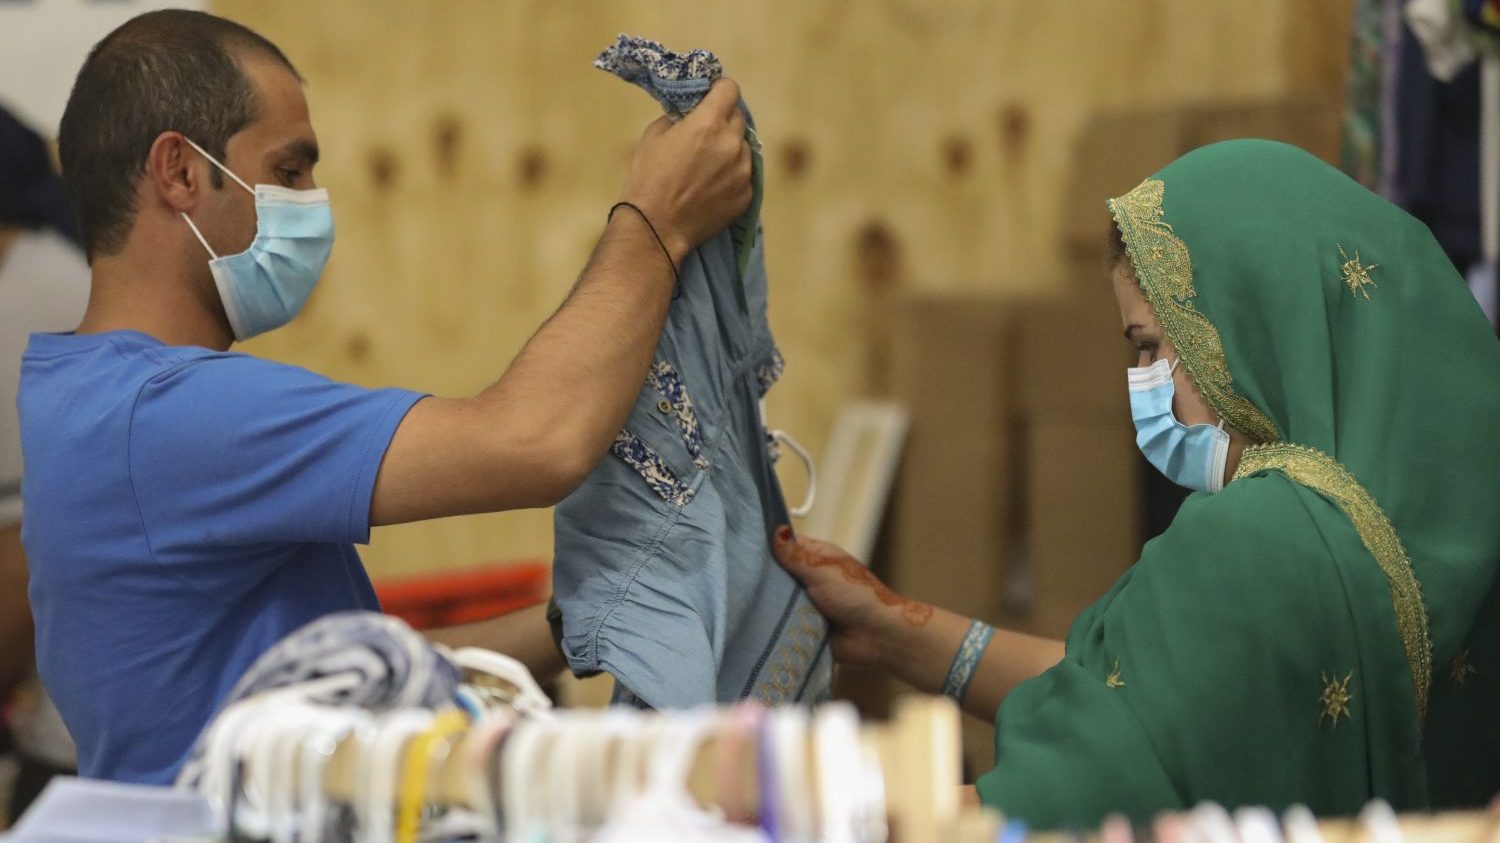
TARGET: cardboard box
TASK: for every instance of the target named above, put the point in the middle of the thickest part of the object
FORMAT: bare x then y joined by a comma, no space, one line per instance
951,521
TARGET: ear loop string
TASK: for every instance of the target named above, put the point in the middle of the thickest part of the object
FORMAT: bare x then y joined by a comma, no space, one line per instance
226,171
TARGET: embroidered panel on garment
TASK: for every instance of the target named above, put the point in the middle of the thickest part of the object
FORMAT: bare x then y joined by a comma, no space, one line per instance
1323,474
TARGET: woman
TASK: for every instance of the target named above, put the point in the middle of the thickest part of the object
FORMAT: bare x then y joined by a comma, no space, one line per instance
1325,629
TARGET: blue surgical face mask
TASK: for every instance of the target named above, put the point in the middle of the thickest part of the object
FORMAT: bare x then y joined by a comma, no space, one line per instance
1194,456
266,285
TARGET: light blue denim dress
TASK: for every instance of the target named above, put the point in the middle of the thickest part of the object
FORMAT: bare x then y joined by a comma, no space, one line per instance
663,572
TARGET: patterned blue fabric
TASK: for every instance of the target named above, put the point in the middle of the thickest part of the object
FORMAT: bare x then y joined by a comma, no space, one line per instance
663,574
677,81
648,463
966,660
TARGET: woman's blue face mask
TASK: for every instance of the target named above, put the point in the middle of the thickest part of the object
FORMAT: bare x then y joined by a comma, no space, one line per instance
1190,456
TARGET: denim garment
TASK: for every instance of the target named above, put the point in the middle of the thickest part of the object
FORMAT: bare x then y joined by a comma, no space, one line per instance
663,573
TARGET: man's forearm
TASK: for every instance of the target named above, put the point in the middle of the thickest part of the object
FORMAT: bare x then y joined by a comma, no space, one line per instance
919,648
524,636
579,374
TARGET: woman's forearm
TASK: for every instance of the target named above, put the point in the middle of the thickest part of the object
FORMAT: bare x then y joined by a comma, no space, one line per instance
919,647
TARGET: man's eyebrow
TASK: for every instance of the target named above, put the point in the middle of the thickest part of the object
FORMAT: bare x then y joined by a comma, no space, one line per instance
304,150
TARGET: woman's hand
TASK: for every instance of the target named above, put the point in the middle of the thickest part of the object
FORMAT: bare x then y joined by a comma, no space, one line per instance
864,614
873,626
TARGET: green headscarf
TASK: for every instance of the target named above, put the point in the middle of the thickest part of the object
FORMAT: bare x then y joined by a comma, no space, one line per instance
1326,629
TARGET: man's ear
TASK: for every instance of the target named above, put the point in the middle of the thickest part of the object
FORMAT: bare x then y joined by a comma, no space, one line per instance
175,173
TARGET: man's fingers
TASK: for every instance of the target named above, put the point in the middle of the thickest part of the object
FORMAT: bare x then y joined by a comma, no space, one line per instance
737,123
722,99
657,126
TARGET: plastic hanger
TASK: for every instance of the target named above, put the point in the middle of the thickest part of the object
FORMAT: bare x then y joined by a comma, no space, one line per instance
576,742
375,803
478,747
426,751
528,699
598,738
332,727
629,759
737,733
1210,823
518,768
837,763
1380,823
218,779
1300,826
1257,825
797,820
278,754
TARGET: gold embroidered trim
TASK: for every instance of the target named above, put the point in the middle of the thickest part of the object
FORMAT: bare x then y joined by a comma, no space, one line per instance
1165,272
1461,670
1113,680
1321,473
1335,698
1356,274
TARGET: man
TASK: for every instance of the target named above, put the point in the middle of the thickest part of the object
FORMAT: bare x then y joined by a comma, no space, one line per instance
187,507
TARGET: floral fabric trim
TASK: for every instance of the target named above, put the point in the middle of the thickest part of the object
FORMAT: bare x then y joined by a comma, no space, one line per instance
666,381
770,371
676,80
652,468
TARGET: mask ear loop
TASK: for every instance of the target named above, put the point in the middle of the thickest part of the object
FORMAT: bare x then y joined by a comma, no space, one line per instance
811,496
198,234
241,182
216,163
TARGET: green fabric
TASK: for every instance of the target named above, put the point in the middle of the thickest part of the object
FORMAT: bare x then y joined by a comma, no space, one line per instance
1222,638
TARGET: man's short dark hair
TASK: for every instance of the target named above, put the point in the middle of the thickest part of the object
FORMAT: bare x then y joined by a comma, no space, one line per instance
169,70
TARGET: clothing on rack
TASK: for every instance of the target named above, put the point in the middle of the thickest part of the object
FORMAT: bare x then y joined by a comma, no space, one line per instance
362,659
663,569
283,768
1413,127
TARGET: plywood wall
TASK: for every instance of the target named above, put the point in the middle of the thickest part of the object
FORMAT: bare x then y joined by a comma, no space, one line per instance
471,152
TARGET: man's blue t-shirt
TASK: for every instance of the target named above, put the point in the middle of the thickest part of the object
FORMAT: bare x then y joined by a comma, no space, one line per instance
185,510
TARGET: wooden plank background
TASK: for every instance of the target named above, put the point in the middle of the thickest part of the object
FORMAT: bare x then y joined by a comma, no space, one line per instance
472,151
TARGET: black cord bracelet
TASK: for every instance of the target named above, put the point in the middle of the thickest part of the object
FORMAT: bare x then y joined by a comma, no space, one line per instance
677,279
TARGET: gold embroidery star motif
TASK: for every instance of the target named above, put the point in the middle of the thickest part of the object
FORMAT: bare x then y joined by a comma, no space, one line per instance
1114,680
1462,670
1335,698
1356,274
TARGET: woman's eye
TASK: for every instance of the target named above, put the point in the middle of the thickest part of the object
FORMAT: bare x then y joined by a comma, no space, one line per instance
289,176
